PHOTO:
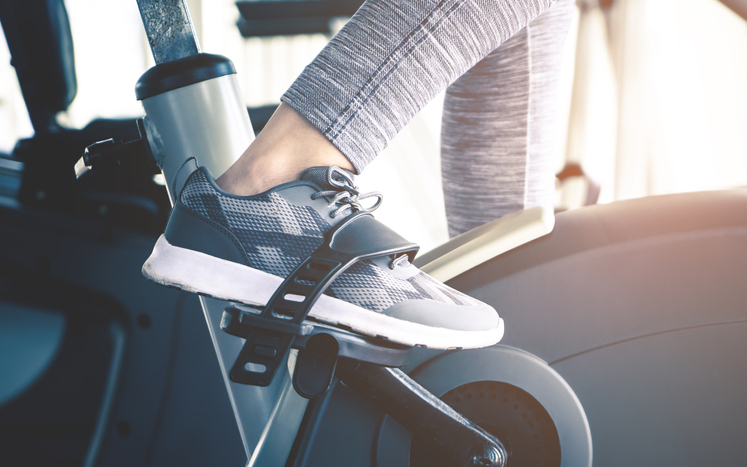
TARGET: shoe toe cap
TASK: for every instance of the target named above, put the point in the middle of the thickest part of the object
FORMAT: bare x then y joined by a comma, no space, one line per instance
478,317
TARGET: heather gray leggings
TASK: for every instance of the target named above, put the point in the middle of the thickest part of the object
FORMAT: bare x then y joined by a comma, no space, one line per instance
499,60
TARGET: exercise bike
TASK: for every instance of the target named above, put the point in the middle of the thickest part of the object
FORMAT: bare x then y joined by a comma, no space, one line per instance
624,323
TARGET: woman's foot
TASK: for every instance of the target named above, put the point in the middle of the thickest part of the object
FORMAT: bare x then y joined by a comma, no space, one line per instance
240,248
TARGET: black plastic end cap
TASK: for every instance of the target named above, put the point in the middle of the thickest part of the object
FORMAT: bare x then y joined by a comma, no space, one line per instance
180,73
315,366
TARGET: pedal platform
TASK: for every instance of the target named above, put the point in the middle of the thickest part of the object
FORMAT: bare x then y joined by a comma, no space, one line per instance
319,346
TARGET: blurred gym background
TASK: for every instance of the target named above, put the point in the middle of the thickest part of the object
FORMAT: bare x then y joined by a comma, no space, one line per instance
654,99
98,366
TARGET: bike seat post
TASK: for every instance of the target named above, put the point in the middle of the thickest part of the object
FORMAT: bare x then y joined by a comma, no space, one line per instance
194,109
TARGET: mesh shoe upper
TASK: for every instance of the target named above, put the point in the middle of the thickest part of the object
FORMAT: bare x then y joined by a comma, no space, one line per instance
277,235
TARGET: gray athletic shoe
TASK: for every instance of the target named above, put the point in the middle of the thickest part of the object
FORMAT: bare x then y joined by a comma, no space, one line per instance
240,248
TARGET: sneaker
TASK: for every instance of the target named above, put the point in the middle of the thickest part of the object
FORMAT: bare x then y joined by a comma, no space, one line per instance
240,248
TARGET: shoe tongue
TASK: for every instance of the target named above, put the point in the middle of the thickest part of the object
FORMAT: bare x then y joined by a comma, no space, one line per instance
319,176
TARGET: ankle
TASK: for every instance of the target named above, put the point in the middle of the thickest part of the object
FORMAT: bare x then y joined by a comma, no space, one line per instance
251,176
287,146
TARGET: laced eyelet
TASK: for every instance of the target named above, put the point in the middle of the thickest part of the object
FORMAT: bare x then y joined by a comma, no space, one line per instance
346,198
398,261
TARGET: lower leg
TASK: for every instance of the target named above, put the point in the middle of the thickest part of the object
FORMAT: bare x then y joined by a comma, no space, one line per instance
499,126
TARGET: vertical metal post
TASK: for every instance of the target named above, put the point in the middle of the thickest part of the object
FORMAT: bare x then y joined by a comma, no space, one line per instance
170,30
208,120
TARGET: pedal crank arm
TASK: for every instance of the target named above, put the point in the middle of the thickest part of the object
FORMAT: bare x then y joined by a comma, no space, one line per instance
436,428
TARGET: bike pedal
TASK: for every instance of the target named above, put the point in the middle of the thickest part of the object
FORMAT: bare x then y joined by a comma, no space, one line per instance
268,340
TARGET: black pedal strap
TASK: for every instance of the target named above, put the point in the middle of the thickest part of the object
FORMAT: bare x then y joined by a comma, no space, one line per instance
357,238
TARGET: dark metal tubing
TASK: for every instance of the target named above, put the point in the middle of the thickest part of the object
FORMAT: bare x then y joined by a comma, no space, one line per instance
171,33
260,10
310,428
435,426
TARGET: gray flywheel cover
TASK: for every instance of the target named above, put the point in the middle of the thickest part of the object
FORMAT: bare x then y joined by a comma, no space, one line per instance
505,365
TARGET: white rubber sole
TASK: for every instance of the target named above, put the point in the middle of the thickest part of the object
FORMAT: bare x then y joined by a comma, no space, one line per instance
203,274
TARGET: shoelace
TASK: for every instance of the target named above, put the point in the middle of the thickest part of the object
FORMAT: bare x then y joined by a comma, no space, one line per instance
348,197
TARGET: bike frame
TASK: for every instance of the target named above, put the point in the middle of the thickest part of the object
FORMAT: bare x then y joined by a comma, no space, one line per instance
208,121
